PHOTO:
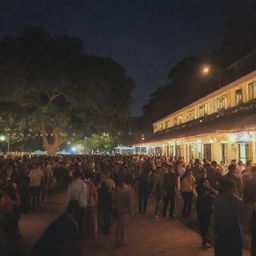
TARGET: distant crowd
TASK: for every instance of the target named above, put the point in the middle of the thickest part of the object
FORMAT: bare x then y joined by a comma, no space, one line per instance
102,187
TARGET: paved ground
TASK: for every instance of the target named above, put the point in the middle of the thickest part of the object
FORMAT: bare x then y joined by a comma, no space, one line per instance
145,235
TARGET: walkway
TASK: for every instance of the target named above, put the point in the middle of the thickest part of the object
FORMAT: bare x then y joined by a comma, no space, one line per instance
145,235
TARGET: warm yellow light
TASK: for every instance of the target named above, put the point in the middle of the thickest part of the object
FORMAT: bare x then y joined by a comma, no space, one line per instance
206,70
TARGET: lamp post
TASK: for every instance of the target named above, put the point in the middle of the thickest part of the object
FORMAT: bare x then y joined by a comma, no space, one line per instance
207,69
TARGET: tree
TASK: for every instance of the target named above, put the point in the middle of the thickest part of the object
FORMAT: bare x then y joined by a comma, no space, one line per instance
57,91
103,143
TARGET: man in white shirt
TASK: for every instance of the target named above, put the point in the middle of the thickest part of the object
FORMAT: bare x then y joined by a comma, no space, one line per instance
79,191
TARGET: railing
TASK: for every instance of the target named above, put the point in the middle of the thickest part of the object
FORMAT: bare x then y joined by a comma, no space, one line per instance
245,107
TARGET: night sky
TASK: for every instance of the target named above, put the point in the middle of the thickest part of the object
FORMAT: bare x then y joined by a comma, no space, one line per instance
147,37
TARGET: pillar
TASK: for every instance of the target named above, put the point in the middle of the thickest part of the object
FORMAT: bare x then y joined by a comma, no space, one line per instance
216,151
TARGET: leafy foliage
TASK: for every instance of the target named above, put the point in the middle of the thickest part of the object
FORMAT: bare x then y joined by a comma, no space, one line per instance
46,82
101,143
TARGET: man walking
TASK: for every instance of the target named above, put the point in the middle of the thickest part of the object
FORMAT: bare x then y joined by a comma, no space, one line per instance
78,191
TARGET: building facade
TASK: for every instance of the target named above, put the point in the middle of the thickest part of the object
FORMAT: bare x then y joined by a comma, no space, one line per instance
220,126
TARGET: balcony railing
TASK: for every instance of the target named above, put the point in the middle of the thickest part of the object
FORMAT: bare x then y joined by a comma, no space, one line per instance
247,107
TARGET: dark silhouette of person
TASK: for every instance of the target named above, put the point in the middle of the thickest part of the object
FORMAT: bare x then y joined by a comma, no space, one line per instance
61,235
227,213
170,183
143,189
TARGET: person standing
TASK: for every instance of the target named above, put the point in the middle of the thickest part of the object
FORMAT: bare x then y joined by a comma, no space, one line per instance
143,191
105,206
204,206
231,175
61,236
187,188
123,209
227,213
170,186
36,179
78,191
158,191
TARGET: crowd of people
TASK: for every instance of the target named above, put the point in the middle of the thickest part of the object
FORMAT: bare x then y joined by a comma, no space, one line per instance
100,187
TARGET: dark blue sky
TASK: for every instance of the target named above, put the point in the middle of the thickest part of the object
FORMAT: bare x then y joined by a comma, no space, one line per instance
146,36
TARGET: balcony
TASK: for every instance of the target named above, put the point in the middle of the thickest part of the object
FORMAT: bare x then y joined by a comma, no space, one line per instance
226,119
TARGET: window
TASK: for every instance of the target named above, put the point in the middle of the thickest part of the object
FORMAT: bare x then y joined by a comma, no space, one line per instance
161,126
167,124
208,108
222,102
175,121
180,120
207,152
191,115
205,109
243,151
252,90
239,96
202,111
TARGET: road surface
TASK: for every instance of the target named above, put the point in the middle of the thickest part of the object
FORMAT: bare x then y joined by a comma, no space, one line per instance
145,235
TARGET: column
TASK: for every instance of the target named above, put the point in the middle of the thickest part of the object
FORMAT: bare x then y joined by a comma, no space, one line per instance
216,151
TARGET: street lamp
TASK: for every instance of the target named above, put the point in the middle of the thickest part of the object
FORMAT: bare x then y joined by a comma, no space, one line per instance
207,69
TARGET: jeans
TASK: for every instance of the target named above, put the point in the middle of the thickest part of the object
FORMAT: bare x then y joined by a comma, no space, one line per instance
143,202
35,196
187,199
169,200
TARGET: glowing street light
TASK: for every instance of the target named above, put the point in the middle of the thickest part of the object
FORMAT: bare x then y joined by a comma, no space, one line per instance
206,70
2,138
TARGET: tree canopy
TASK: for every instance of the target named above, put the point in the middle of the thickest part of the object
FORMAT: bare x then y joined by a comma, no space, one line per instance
48,86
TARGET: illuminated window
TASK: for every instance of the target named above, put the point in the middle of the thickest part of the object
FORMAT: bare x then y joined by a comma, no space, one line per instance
202,110
205,109
175,120
239,96
252,90
161,126
191,115
167,123
222,102
180,121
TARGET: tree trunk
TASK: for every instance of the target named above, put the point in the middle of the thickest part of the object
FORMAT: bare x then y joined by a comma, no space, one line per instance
51,148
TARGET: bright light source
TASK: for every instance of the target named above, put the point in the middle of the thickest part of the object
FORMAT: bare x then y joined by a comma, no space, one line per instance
206,70
2,138
73,149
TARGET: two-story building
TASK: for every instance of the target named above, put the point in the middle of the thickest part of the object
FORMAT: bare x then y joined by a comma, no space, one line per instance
220,126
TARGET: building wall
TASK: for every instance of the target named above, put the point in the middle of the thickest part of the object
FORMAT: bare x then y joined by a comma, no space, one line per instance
220,146
226,97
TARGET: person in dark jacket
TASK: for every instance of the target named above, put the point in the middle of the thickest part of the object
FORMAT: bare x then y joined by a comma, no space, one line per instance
105,206
143,189
61,235
227,214
204,206
170,185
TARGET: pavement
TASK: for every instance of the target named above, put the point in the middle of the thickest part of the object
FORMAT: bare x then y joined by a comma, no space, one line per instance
145,235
